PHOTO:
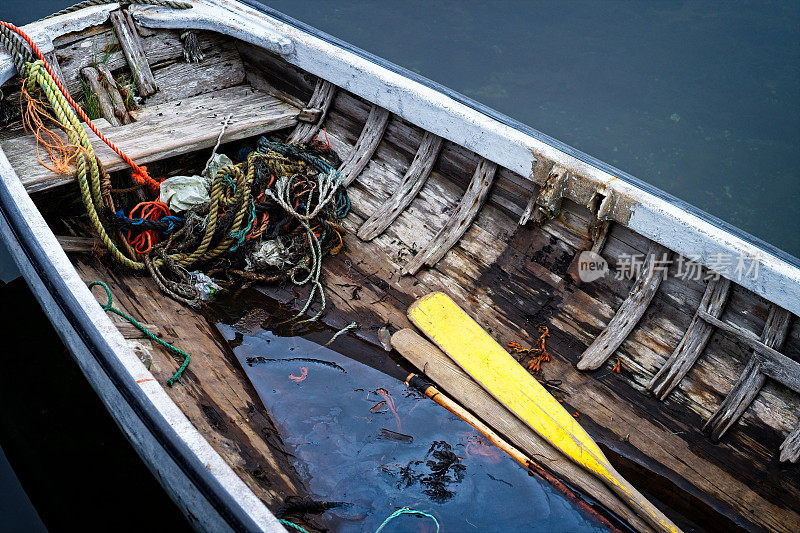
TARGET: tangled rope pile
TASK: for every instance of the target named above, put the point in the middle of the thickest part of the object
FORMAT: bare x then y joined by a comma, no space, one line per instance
271,217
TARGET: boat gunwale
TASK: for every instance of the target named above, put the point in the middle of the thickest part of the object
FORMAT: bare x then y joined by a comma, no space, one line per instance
532,132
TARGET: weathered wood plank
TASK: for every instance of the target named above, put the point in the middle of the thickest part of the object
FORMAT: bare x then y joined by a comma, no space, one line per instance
413,181
790,448
103,47
165,130
131,44
129,331
92,77
214,392
468,208
748,337
693,342
630,312
598,229
177,79
279,73
321,99
753,377
368,141
72,244
110,84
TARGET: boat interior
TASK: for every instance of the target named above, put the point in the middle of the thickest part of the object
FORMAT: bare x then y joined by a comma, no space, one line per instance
690,386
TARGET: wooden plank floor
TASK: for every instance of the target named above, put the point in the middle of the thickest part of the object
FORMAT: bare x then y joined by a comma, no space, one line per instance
164,130
214,392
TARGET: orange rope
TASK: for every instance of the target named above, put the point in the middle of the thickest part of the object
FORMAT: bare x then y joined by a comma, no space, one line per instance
258,229
139,172
33,120
144,241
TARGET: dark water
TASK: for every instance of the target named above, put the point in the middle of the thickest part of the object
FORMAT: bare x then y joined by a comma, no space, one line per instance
700,99
358,435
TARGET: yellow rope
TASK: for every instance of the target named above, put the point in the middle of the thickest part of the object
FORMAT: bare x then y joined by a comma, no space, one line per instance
90,187
91,192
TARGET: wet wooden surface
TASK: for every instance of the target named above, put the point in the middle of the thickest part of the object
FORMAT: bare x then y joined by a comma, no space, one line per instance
214,392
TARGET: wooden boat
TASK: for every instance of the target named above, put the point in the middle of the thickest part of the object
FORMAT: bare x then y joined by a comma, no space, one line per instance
447,195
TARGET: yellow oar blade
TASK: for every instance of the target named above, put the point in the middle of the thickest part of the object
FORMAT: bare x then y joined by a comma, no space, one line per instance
480,356
489,364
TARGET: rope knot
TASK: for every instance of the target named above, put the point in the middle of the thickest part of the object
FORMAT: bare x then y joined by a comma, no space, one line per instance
140,175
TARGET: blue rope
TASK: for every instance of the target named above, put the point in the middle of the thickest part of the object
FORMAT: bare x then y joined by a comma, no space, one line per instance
342,207
242,233
406,510
172,222
292,525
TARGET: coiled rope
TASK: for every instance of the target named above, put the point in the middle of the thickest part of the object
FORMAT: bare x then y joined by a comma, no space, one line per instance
21,56
232,208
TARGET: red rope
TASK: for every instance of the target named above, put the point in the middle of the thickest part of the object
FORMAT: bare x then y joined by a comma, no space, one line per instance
139,172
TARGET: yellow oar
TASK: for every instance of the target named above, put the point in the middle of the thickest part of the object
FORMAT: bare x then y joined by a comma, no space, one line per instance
464,341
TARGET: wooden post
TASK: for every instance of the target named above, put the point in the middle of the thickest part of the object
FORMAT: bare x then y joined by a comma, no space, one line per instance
92,77
131,44
110,84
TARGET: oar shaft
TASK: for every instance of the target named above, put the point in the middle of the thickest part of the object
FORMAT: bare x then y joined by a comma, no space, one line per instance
427,388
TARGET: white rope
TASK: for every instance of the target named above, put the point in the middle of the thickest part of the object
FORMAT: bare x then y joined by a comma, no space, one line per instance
216,146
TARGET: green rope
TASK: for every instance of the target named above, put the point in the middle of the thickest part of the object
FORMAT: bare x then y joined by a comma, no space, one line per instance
406,510
292,525
109,307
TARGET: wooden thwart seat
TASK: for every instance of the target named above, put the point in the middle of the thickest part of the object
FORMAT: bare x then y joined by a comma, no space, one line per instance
165,130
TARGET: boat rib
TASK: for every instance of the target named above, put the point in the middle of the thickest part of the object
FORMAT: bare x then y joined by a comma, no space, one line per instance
630,312
762,364
413,181
368,141
694,340
468,208
322,98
